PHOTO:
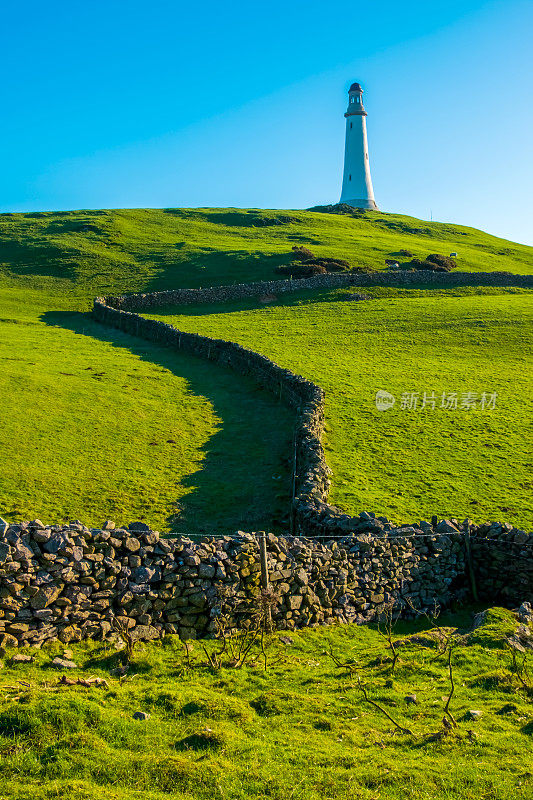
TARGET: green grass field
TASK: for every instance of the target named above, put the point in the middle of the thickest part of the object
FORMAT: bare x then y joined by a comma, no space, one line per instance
408,463
300,730
88,412
99,424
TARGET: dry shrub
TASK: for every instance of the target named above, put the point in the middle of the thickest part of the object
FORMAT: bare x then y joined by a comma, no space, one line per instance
301,270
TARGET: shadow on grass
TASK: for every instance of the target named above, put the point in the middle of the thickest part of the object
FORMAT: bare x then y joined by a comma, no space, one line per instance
235,488
117,660
203,740
248,218
178,267
38,257
108,661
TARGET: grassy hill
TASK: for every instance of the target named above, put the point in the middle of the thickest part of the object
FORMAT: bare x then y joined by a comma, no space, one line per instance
96,423
82,253
99,424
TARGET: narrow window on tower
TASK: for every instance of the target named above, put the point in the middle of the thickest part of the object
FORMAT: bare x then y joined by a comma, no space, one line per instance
350,178
350,126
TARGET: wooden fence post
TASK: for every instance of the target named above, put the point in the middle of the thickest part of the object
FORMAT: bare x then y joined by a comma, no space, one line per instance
293,486
469,561
265,583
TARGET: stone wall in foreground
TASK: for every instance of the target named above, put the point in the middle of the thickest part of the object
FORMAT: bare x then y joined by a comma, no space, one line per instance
71,582
502,555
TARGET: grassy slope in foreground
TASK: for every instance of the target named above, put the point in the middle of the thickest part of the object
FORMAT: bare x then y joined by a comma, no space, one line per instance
82,446
409,463
299,730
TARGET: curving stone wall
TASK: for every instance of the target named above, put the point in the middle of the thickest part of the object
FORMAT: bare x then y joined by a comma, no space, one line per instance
71,582
311,515
312,472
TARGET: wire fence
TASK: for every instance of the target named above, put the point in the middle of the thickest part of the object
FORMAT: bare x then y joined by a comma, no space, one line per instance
385,537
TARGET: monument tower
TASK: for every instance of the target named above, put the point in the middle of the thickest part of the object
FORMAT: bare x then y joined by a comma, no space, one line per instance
357,188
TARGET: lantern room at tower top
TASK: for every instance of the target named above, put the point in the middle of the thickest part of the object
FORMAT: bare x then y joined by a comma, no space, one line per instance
355,101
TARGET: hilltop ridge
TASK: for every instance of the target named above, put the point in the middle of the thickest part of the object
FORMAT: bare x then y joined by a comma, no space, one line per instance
85,253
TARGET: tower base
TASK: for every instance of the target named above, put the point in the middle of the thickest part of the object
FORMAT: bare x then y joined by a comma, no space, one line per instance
354,203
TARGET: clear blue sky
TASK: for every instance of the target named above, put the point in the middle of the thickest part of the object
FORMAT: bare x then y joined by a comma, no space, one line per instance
129,104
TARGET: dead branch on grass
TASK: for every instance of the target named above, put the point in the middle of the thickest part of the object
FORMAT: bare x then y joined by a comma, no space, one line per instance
390,622
351,666
452,687
362,687
521,671
444,637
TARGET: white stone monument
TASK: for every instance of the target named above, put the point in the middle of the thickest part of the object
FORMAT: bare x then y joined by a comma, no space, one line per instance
357,188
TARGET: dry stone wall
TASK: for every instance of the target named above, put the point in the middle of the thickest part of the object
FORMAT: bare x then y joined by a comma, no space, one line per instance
311,515
71,582
502,555
391,278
